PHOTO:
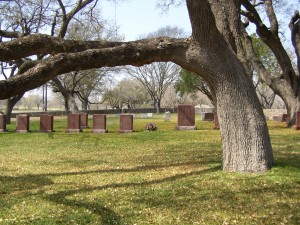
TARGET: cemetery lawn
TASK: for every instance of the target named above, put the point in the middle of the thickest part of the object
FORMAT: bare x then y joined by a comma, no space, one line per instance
145,177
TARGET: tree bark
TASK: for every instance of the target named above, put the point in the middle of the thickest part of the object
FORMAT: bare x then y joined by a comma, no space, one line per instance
288,85
70,104
245,138
157,106
85,104
280,86
9,106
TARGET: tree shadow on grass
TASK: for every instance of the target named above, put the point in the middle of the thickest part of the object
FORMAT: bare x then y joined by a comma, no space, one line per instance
288,159
107,215
9,184
23,186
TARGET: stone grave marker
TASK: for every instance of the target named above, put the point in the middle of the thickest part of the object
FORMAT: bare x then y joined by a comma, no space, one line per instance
2,123
99,123
84,120
167,116
207,116
46,123
281,118
186,117
149,115
126,123
73,123
22,123
284,117
144,116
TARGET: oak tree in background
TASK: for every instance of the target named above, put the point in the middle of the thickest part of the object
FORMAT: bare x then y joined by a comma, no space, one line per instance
128,93
158,76
65,19
80,84
214,51
17,19
189,82
287,85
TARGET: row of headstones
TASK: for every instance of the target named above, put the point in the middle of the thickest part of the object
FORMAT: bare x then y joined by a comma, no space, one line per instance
76,122
281,118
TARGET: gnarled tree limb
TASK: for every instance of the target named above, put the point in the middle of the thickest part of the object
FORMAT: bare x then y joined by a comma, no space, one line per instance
132,53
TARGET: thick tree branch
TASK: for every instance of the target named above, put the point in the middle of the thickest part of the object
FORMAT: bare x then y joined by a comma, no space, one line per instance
278,85
222,23
257,64
11,34
133,53
272,16
203,26
272,40
36,44
295,31
68,17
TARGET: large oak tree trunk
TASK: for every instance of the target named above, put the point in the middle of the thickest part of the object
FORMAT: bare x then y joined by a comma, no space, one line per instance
244,132
245,137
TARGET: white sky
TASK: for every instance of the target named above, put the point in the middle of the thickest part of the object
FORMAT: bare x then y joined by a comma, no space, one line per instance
138,17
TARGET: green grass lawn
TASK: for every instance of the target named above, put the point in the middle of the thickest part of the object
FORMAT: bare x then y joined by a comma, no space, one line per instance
144,177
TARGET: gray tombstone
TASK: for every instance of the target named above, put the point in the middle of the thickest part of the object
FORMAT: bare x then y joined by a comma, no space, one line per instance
144,116
186,117
167,116
207,116
73,123
22,123
99,123
46,123
126,123
149,115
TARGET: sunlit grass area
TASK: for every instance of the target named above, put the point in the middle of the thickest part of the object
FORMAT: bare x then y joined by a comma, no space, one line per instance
145,177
